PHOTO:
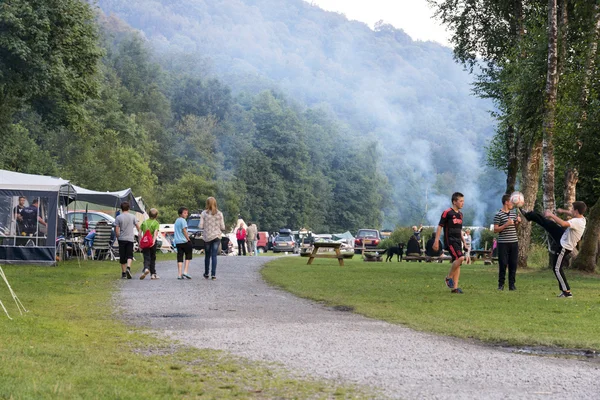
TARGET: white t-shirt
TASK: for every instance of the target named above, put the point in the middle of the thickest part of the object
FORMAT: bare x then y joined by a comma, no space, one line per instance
573,233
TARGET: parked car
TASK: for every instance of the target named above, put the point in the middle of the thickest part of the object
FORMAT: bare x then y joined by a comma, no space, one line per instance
263,242
285,241
368,239
193,223
75,219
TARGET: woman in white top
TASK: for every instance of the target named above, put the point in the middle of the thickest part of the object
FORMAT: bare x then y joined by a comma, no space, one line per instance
212,224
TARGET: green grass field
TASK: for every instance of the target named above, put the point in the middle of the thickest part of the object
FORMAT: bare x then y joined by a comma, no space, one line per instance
414,294
72,345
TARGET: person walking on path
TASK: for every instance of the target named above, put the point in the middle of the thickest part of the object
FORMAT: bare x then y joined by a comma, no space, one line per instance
240,235
152,225
182,241
124,224
505,223
213,224
251,238
451,222
567,233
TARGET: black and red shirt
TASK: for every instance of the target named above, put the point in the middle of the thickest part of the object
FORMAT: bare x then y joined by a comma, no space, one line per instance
452,221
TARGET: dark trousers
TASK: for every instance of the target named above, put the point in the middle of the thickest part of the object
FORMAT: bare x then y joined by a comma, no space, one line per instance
241,247
508,256
150,259
560,255
211,250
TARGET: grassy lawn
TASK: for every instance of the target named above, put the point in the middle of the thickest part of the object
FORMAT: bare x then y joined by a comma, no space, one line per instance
71,345
414,294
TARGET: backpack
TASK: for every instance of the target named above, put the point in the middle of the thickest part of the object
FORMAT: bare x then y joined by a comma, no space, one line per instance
147,240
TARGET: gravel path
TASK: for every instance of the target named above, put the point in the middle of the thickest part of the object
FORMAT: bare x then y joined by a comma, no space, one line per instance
241,314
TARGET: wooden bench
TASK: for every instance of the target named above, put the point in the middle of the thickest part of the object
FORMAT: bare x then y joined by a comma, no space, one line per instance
335,246
485,255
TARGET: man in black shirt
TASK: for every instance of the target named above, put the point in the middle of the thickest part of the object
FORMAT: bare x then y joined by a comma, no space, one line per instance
451,223
31,218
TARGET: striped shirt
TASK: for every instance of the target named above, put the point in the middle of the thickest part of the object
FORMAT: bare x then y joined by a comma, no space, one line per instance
509,234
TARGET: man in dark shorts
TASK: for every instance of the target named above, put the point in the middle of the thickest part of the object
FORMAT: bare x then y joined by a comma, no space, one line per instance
124,224
451,223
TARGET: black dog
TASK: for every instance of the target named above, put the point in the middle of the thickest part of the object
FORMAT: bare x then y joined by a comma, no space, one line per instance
394,250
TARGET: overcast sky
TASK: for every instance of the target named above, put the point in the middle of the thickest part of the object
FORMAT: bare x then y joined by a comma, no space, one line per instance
412,16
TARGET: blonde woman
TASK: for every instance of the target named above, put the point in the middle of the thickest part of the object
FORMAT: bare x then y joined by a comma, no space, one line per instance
213,224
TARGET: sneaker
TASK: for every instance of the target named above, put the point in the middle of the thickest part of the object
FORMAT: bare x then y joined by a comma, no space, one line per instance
153,276
206,276
186,276
566,295
180,277
214,278
128,273
512,287
146,272
449,282
457,291
123,275
500,287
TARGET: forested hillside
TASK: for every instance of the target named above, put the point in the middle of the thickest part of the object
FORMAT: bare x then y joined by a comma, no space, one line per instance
83,99
409,99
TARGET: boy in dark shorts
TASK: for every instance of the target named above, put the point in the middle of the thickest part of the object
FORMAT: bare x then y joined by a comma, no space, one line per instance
183,243
451,223
124,224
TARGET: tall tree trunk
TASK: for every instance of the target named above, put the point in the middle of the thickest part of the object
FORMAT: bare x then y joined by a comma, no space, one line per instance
550,107
530,175
563,32
571,179
591,239
513,160
513,136
572,173
586,259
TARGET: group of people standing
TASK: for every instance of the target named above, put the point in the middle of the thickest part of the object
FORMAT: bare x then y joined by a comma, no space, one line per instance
564,236
247,237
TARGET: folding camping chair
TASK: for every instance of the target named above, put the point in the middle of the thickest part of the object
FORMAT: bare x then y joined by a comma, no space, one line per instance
102,246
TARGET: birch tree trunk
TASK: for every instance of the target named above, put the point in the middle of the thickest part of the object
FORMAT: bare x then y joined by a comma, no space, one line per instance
549,123
513,136
530,176
513,160
571,172
587,258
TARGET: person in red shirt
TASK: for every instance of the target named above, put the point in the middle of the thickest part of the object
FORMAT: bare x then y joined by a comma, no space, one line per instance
451,222
240,235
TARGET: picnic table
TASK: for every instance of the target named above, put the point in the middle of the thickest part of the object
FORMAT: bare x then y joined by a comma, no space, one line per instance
486,255
335,246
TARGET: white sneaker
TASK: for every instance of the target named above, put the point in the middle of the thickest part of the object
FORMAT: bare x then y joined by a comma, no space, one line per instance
146,272
155,277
